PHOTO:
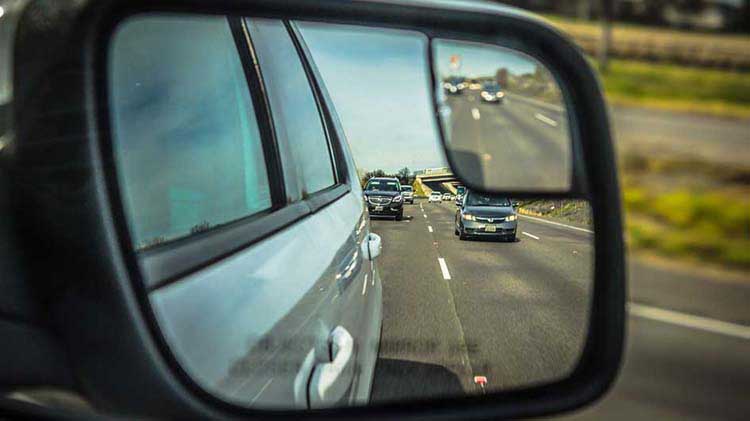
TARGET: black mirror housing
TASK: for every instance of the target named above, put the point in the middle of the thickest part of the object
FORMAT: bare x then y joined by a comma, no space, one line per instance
98,309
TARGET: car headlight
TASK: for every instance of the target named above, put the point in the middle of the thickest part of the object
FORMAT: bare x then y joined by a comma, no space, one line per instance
397,199
469,217
500,94
511,218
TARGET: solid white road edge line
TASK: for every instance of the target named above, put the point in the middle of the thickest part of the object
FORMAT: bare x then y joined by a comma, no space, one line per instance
544,119
688,320
444,268
556,223
529,235
364,284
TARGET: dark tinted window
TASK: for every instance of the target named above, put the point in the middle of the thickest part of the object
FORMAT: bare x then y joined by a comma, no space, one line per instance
382,185
475,199
186,140
295,112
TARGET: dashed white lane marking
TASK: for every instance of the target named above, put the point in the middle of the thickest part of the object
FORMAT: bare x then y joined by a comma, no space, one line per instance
444,268
262,389
364,284
475,113
425,215
544,119
557,223
529,235
429,228
688,320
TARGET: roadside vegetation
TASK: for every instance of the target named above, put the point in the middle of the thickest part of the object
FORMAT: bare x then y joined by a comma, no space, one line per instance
573,211
671,69
678,88
687,209
682,209
660,44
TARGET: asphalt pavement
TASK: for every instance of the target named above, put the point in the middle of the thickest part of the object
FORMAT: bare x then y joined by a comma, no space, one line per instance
682,135
523,132
516,312
497,144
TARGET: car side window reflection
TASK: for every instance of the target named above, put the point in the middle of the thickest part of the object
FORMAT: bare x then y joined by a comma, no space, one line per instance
296,116
186,139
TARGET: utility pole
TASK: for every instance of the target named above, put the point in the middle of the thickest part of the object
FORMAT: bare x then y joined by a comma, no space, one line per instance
605,43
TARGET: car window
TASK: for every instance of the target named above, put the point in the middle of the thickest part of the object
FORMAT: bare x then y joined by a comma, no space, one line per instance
186,140
475,199
295,111
382,185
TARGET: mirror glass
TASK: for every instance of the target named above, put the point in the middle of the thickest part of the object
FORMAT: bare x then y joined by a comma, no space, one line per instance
503,118
404,284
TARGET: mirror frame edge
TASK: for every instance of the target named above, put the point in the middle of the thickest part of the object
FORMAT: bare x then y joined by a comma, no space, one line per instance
91,24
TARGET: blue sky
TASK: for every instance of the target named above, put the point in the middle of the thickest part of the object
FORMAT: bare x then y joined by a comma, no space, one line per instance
379,82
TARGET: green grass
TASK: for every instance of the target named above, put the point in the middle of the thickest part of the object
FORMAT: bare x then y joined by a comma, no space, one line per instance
711,226
677,87
669,86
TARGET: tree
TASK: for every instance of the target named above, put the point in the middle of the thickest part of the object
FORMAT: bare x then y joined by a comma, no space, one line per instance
404,176
370,174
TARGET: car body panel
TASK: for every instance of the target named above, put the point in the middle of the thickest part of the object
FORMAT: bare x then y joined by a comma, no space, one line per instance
233,323
244,326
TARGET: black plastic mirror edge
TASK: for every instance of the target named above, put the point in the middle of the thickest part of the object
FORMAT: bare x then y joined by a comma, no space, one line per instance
94,299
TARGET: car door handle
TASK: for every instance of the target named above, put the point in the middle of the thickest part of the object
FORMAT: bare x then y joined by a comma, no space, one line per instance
331,380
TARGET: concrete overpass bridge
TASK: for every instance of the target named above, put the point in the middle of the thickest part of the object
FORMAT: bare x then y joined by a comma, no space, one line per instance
442,181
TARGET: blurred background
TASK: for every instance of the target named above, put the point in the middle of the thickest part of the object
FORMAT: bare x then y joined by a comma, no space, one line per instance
676,75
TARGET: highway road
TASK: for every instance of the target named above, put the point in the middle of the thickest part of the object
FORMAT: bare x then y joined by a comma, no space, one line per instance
501,142
524,127
514,312
674,135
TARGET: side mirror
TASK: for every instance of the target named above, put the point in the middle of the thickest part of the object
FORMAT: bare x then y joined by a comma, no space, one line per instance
157,181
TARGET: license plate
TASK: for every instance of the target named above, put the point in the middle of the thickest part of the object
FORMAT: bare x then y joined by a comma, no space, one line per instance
378,208
490,228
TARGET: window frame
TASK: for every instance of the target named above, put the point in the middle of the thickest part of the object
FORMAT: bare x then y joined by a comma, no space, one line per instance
337,158
166,263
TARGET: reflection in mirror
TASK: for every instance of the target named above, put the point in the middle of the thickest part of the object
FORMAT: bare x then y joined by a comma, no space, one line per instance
410,285
503,118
